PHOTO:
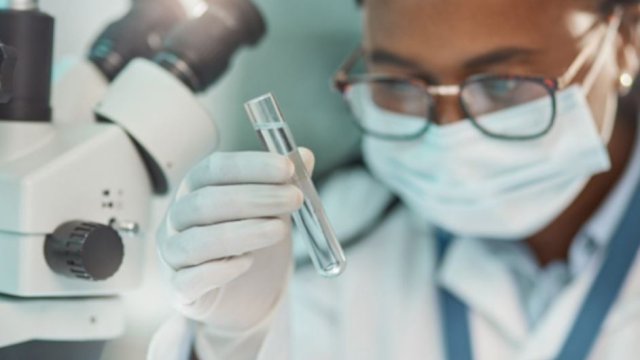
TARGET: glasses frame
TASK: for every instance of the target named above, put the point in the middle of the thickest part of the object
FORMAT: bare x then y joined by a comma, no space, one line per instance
343,80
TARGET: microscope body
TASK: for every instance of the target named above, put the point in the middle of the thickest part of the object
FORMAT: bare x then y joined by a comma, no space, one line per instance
104,172
78,87
89,172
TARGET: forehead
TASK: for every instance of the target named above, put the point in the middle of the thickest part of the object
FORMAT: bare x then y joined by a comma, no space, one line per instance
442,30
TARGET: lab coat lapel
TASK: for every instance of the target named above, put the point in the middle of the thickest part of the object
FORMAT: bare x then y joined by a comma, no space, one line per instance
549,336
470,272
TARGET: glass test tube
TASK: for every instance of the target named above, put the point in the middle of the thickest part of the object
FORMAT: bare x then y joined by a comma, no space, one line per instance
325,250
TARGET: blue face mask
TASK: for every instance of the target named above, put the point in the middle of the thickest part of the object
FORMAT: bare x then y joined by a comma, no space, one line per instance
473,185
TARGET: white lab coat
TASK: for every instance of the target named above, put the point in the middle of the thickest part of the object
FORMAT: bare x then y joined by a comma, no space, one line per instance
385,306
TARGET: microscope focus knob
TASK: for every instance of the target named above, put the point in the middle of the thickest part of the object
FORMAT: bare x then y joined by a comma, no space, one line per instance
84,250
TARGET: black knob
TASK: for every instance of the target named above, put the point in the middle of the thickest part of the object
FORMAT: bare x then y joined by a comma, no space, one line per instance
84,250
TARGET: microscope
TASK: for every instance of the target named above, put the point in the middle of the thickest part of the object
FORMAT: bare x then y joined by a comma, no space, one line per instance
76,181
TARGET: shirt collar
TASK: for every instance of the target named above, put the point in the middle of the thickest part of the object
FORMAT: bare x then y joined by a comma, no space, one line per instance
485,287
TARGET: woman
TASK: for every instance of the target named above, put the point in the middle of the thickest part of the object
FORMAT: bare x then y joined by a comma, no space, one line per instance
502,129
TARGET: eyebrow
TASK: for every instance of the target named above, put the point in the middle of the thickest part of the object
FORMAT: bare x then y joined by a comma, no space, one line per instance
499,56
493,57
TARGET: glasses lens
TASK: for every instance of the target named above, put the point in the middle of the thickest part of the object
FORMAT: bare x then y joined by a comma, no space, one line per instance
495,103
390,108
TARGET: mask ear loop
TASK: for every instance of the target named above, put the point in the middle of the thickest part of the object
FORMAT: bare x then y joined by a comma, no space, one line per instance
572,71
578,63
609,113
587,51
609,39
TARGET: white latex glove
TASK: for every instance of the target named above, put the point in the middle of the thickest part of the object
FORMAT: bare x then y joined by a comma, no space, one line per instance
227,238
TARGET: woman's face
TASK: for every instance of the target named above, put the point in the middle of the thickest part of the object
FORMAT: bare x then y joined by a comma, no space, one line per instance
445,41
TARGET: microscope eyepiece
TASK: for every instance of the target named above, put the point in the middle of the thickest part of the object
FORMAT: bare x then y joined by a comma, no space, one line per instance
30,34
8,58
198,51
138,34
23,5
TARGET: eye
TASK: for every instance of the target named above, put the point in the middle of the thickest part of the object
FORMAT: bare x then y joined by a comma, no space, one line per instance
400,96
397,88
501,89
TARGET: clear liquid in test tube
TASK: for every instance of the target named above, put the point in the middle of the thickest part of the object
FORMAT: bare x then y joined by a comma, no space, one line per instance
324,249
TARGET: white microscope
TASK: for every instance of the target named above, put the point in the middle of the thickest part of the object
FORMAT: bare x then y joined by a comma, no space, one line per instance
76,188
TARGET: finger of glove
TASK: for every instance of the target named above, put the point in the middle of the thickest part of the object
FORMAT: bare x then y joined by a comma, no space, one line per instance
198,245
217,204
308,158
193,282
200,309
251,167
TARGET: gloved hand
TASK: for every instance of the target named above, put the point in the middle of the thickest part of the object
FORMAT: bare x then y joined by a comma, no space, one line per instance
227,237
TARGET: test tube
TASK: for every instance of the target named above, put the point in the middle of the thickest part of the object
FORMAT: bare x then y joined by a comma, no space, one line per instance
324,249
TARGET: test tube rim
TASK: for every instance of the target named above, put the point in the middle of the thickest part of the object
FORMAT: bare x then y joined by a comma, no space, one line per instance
249,106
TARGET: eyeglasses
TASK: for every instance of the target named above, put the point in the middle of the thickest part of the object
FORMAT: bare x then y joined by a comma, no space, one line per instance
414,99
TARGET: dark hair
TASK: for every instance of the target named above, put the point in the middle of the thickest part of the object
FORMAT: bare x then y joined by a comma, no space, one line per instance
607,5
621,2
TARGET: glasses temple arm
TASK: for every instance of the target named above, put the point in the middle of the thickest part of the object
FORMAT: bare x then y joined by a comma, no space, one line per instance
612,32
343,71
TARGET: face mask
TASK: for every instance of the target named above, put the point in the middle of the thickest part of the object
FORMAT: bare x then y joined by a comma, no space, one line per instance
473,185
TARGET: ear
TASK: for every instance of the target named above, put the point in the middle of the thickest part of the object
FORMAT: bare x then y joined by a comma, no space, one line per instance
628,53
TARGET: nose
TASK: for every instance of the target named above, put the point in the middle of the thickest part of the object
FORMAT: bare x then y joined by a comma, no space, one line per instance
448,110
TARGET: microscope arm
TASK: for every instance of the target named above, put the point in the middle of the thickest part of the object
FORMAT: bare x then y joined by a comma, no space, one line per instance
163,117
